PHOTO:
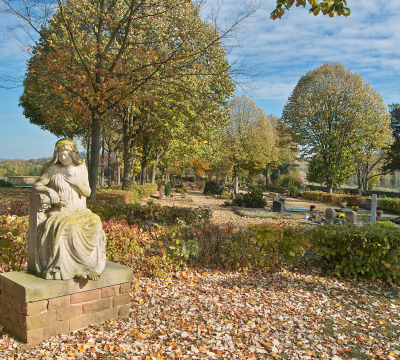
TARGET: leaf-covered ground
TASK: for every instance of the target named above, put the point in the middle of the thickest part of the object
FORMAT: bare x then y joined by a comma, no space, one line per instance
208,314
235,316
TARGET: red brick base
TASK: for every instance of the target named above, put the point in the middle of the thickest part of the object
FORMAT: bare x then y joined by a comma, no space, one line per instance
33,322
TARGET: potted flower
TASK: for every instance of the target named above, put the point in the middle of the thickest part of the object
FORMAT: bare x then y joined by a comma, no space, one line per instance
312,207
355,208
343,205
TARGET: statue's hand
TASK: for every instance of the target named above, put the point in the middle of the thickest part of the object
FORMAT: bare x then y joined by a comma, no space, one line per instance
54,198
73,180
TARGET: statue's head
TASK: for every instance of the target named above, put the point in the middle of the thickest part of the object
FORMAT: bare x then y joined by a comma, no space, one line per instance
68,148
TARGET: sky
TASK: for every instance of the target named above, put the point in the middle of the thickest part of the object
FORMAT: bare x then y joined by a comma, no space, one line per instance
280,51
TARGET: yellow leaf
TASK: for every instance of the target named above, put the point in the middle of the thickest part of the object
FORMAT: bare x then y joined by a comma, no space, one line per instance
71,354
249,322
299,343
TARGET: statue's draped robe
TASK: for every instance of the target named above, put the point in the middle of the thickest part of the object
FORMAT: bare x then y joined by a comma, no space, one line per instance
71,241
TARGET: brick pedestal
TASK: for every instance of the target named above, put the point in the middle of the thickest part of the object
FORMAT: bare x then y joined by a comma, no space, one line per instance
33,309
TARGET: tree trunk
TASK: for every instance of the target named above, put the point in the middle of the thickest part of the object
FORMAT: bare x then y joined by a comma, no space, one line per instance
143,173
118,170
236,179
102,165
129,151
267,174
330,187
108,165
88,152
94,155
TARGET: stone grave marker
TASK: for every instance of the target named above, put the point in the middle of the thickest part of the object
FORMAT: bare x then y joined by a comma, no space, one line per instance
278,206
373,209
330,215
351,217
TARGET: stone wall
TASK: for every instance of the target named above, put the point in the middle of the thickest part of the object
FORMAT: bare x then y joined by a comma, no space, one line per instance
33,322
20,180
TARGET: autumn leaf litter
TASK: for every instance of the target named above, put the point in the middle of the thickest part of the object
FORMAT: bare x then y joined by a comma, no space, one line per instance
209,314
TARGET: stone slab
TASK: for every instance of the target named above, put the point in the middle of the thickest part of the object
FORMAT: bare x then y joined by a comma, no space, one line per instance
28,288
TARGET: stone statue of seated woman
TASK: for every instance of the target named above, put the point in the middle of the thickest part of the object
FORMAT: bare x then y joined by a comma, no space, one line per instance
69,239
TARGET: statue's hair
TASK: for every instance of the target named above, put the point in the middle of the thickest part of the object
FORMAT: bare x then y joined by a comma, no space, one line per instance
64,144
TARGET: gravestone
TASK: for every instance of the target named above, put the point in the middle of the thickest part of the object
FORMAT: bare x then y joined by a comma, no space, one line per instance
330,215
373,209
278,206
351,217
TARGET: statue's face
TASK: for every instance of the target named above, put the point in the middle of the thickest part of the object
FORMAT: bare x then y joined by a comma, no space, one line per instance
64,157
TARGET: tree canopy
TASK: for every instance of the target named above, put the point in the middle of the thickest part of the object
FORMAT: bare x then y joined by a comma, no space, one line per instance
332,113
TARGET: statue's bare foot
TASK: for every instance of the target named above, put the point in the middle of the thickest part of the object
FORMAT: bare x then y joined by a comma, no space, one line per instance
94,276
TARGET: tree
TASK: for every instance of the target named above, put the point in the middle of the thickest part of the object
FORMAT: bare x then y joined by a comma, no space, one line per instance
392,157
96,55
327,7
331,114
248,139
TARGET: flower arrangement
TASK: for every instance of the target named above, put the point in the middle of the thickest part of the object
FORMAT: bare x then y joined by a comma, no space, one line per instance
341,216
355,208
312,207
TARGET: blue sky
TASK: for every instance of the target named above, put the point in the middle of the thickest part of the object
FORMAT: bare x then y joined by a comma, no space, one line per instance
367,42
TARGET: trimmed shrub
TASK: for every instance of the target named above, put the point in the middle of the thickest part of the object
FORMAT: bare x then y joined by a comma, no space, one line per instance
369,251
337,199
391,205
4,183
276,189
168,189
254,199
225,195
211,187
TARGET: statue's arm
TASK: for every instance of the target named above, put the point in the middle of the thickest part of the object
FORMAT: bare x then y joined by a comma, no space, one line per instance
80,181
40,187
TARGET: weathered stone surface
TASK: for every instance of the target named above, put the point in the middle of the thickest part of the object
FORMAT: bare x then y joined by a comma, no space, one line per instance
38,321
33,308
121,299
110,291
56,328
351,217
70,312
278,206
97,305
29,288
81,322
4,309
59,302
124,310
86,296
109,314
125,288
330,215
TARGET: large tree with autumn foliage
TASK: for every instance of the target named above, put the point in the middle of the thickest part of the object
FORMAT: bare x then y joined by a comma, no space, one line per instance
332,114
96,56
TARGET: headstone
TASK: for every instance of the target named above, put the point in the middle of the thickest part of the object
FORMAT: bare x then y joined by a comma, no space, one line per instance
351,217
330,215
278,206
368,203
373,209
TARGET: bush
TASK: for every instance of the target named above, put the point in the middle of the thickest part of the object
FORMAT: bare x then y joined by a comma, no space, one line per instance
201,185
225,195
277,189
168,189
386,224
370,251
211,187
254,199
4,183
337,199
294,190
391,205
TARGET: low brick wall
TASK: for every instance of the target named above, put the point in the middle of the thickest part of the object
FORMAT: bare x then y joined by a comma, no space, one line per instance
33,309
33,322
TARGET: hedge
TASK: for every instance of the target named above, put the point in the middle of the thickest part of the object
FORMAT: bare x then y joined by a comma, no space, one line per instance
337,199
138,192
276,189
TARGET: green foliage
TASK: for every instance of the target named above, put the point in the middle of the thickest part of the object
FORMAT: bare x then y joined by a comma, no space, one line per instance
135,213
277,189
386,224
13,231
168,188
254,199
391,205
4,183
392,157
337,199
330,113
116,196
225,195
369,251
211,187
294,190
